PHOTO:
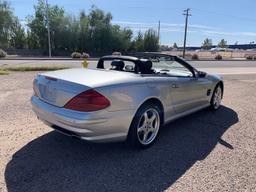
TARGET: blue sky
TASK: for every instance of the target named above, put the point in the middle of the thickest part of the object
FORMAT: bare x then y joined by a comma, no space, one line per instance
233,20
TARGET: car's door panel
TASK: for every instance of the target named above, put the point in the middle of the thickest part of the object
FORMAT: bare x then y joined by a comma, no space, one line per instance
187,93
186,89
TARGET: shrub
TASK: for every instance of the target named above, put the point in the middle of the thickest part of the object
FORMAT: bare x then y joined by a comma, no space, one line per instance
218,57
4,72
117,53
76,55
85,55
194,57
250,57
2,53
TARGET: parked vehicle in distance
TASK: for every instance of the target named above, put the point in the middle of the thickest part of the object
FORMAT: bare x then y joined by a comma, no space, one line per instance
125,99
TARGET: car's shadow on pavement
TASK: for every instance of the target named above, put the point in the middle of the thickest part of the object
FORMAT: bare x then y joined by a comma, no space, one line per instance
55,162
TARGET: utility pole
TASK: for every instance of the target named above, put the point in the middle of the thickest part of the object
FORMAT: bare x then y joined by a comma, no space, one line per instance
48,29
158,32
187,14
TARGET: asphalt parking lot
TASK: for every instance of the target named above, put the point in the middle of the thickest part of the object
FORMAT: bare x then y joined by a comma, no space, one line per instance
206,151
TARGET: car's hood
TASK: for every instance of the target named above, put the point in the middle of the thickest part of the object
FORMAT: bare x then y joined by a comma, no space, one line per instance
93,77
214,77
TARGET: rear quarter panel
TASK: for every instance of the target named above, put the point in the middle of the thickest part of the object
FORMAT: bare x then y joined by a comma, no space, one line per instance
130,96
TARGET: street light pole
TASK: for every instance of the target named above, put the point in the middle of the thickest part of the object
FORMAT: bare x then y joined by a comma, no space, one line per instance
187,14
158,31
48,29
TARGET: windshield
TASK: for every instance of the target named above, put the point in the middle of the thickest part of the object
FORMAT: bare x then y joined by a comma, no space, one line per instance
169,66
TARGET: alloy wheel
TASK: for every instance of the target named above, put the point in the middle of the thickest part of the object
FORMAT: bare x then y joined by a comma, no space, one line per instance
148,126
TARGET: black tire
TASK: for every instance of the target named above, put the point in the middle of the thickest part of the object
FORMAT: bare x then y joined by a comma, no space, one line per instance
133,139
213,105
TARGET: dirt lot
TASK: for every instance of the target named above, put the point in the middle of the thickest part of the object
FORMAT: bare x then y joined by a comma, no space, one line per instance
206,151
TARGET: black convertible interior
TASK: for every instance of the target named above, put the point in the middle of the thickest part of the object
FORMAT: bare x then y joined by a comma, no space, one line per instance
148,63
126,64
143,67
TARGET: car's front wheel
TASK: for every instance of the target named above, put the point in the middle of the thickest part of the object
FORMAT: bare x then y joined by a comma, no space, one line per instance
216,98
145,126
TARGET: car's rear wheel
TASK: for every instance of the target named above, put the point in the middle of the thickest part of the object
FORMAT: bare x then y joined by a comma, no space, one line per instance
216,98
145,126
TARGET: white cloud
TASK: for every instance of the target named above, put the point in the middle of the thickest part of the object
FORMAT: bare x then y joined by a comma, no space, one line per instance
132,24
128,23
251,34
177,27
191,26
217,32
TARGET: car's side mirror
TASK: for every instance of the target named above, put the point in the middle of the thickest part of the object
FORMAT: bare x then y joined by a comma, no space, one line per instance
201,74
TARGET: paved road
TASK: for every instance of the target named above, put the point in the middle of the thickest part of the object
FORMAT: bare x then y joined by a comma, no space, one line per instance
200,64
223,64
220,67
206,151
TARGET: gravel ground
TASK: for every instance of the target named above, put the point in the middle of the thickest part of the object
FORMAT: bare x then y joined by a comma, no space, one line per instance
206,151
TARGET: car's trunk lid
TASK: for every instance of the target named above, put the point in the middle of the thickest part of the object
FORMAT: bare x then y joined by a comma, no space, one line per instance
58,87
56,91
90,77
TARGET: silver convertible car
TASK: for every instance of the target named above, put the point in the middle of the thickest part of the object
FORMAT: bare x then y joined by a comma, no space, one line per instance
125,98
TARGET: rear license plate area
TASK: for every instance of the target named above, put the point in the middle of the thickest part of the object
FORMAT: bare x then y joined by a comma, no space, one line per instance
47,92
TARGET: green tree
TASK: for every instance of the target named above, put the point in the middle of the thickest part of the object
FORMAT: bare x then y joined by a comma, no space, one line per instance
207,44
90,33
100,30
175,46
12,33
59,27
151,40
120,39
17,35
6,21
37,27
223,43
127,38
83,32
93,33
139,42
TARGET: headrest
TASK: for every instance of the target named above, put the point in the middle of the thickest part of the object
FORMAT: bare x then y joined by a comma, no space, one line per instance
145,66
118,64
148,65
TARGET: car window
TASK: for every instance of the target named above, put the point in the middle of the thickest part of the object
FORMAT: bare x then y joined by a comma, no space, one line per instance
169,66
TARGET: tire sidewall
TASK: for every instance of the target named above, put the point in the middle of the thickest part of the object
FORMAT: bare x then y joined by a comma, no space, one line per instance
132,138
213,95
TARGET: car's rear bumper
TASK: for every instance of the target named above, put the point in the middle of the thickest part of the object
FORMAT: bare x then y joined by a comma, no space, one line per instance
100,126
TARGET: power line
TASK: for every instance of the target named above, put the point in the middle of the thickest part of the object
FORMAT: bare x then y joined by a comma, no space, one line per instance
187,14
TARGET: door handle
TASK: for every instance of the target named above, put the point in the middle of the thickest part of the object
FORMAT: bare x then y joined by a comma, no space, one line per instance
175,86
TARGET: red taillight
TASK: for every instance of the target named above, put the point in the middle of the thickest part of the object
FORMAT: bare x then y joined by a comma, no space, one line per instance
88,101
